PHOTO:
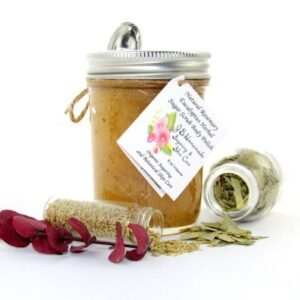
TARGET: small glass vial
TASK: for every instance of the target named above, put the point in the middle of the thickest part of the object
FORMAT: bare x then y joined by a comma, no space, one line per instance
100,216
245,185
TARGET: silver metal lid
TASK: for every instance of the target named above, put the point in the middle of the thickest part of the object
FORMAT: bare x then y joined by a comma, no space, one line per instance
147,64
124,62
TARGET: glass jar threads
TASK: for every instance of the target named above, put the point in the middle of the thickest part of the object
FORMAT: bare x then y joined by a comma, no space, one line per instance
245,185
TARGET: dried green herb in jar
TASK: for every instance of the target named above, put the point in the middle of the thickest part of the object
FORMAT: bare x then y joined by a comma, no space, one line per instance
245,186
231,191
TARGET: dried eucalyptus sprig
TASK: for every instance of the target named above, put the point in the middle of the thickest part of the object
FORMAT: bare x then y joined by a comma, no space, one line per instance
19,230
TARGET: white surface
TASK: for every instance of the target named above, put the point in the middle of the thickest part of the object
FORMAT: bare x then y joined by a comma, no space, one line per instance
254,91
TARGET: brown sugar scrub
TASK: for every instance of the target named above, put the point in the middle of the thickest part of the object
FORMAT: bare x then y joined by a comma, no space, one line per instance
115,104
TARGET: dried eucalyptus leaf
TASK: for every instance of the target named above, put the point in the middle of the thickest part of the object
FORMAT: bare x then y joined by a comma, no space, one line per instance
217,234
258,237
195,228
211,229
237,193
229,226
218,190
190,235
216,225
207,236
218,243
225,237
215,243
244,241
231,191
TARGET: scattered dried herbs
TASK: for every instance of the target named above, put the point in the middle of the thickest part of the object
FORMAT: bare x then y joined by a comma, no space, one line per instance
171,247
221,233
101,221
217,234
19,230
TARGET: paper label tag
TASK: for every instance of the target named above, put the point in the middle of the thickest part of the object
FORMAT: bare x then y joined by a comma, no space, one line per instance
170,140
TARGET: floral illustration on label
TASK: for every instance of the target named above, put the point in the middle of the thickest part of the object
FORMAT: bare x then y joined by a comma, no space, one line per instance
159,132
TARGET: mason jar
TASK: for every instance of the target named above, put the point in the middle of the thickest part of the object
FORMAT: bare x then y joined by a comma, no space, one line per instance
121,84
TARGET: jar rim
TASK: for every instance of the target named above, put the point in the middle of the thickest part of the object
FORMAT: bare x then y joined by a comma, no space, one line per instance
139,64
152,219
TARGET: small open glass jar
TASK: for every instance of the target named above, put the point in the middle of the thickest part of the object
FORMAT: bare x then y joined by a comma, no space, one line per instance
121,84
100,216
245,185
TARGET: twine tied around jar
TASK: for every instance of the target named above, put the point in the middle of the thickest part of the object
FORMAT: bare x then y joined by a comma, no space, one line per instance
70,109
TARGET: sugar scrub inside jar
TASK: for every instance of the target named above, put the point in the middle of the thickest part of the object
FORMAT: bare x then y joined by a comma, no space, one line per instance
121,84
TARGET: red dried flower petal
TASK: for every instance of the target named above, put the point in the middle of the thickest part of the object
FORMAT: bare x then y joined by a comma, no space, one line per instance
7,231
79,249
27,227
55,236
79,227
142,238
7,214
41,244
84,234
9,235
119,250
134,256
65,233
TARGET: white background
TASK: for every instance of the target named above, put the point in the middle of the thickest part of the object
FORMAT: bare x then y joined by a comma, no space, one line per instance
254,90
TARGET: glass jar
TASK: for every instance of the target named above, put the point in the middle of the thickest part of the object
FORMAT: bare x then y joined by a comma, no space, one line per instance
100,216
245,185
121,84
